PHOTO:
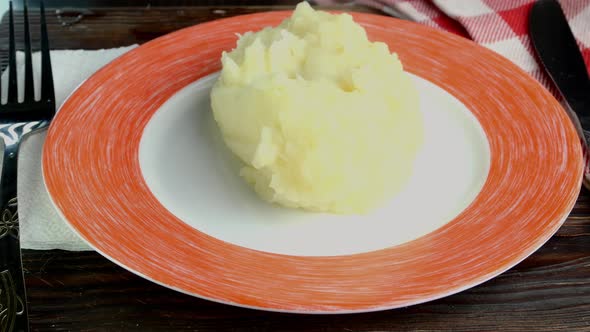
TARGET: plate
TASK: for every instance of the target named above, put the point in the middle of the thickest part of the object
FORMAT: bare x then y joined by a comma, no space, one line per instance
134,163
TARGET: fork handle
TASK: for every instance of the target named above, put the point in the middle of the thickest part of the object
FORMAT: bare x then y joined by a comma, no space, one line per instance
13,308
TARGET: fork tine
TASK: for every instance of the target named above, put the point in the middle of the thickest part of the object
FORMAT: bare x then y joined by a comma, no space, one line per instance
47,89
12,85
29,83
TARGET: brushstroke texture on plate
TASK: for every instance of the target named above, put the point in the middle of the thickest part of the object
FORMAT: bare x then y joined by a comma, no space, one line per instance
93,174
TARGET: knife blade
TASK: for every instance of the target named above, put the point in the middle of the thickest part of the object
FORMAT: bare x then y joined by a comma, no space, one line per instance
558,51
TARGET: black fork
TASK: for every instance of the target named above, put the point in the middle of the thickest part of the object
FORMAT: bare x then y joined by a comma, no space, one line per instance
18,119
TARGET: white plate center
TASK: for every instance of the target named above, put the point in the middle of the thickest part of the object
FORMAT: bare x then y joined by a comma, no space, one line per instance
190,171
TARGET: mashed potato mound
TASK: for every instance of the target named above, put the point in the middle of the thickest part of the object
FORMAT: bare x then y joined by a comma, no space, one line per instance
323,119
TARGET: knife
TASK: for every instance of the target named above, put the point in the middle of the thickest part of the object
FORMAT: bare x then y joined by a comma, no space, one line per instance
558,51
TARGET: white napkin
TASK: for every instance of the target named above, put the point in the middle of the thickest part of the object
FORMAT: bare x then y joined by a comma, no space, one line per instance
41,226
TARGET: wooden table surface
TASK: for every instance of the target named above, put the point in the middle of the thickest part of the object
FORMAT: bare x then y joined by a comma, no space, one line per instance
82,291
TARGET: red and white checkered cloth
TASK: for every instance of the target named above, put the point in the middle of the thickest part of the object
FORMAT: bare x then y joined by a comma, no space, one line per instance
500,25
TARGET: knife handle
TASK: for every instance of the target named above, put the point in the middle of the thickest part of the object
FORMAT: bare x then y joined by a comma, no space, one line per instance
584,141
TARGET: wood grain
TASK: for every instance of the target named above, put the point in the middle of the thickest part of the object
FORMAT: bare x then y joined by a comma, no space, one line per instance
113,27
70,291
